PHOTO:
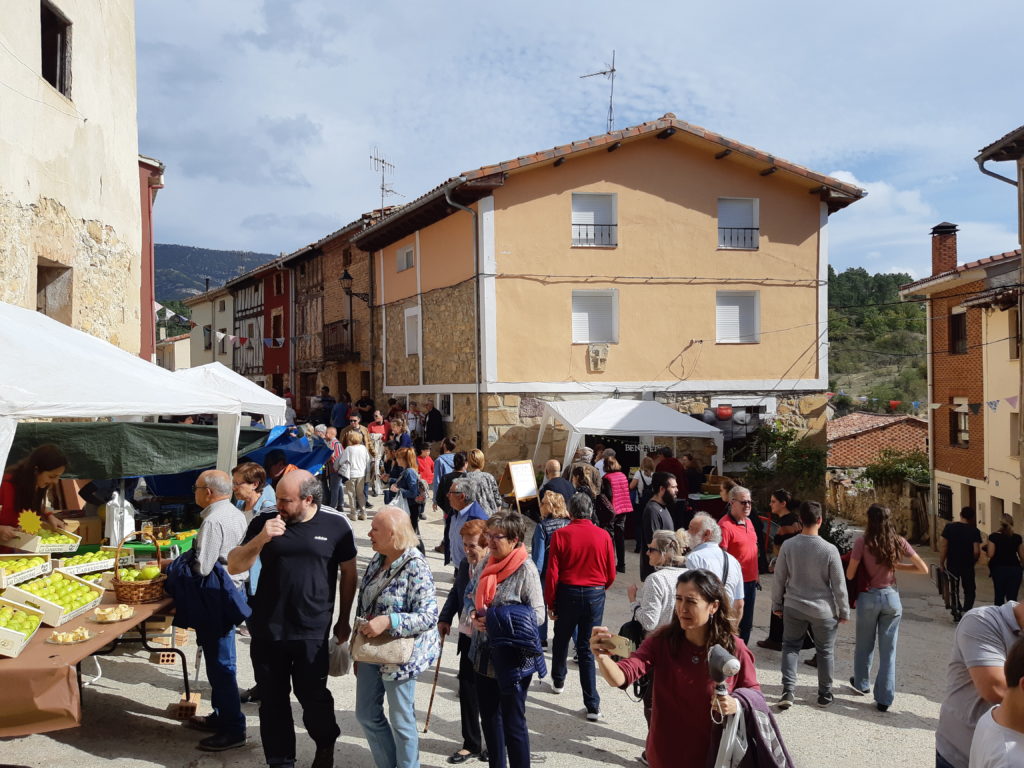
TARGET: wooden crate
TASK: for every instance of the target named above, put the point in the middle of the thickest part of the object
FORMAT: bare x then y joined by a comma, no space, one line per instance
185,708
180,638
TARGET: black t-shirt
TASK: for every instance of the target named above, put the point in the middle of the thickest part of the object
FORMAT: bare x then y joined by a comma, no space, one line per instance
1007,547
299,576
960,538
365,405
788,519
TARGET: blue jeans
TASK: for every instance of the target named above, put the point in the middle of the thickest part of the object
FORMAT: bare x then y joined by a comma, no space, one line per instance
395,744
219,653
878,613
503,717
579,609
337,495
940,761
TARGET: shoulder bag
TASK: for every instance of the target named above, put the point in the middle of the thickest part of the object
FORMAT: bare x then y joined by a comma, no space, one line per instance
384,648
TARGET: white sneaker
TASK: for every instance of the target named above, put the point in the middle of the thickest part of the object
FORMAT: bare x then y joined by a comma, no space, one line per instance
595,717
557,688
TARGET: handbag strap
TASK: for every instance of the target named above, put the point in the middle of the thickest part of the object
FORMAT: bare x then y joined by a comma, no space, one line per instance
380,591
725,567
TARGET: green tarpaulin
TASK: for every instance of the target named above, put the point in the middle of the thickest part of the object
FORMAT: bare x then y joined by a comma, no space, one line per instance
112,450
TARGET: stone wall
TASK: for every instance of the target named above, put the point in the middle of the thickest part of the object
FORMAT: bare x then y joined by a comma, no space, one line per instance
449,327
402,369
93,273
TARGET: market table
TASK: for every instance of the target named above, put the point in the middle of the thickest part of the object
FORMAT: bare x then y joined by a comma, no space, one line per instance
42,686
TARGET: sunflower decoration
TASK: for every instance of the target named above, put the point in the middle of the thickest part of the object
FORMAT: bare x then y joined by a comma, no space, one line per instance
29,522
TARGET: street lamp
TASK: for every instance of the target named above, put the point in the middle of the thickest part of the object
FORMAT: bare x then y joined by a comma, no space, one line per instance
346,286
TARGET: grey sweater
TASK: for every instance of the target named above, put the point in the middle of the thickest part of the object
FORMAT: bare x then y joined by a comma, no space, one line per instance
809,578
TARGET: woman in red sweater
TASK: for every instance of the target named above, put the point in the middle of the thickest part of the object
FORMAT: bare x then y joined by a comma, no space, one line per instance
24,487
683,692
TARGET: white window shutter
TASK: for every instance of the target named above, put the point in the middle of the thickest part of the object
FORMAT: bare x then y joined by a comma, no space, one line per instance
593,317
736,319
734,212
412,332
592,209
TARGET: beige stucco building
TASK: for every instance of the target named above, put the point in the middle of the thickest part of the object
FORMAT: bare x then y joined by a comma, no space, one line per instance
212,313
71,218
174,352
660,261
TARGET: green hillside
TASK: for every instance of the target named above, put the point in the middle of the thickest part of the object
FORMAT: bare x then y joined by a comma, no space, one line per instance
182,270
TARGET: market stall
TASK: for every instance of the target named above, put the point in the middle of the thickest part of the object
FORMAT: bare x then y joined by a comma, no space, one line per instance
612,416
254,398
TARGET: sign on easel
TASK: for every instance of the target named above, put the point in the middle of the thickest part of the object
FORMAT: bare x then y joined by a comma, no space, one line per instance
520,480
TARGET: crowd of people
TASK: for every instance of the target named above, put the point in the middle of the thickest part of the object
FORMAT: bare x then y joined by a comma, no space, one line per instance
282,539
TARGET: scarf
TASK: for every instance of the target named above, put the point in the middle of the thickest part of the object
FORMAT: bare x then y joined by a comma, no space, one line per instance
495,573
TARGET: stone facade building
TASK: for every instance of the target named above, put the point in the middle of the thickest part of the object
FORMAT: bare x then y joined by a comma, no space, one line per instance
660,261
75,196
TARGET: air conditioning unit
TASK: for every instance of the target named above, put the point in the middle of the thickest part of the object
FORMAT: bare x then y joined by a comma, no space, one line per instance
597,354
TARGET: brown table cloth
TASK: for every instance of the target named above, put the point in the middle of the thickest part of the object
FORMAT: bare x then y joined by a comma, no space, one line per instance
40,686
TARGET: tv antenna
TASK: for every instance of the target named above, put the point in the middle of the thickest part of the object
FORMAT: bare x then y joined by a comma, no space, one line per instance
385,168
608,72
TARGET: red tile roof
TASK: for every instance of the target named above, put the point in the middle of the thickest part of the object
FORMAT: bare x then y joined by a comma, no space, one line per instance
943,276
857,422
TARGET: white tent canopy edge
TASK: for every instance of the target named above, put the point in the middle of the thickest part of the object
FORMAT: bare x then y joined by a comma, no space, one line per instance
254,398
626,418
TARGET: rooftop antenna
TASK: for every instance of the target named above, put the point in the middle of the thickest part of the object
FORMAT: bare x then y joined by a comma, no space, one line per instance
609,72
384,167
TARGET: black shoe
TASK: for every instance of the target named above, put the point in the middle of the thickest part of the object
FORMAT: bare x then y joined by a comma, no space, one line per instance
461,757
484,757
199,723
882,707
252,695
813,661
787,700
220,742
858,691
825,699
770,644
324,757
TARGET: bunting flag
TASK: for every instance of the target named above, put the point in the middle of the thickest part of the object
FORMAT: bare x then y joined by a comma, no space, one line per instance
935,406
961,408
192,325
158,308
243,339
894,404
975,408
280,341
1012,401
180,318
992,404
220,336
916,404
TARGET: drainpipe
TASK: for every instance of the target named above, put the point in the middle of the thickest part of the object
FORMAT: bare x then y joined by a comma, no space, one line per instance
476,309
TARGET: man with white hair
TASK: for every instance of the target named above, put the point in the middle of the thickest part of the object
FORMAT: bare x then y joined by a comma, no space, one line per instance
465,507
706,553
739,539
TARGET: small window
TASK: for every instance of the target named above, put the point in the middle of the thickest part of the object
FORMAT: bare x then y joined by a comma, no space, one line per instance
406,258
737,317
959,423
595,317
1013,318
958,333
207,337
278,284
221,305
443,403
1015,434
346,257
945,502
594,221
412,331
56,48
222,341
277,324
738,223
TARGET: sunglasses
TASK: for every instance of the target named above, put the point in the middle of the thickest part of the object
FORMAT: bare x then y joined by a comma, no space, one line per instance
746,503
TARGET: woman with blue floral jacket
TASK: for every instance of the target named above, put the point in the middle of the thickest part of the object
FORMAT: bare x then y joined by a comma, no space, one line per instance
397,596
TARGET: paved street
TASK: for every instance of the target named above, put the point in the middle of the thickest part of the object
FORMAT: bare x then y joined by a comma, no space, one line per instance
124,722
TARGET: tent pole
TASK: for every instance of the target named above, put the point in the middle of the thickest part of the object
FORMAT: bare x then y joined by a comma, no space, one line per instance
540,437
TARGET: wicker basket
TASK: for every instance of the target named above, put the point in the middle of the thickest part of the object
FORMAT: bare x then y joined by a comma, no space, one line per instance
136,592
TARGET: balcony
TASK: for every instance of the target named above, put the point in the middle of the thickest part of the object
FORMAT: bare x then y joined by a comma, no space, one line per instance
337,342
744,238
595,235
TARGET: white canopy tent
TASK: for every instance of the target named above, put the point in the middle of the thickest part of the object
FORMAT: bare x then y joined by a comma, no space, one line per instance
217,377
625,418
53,371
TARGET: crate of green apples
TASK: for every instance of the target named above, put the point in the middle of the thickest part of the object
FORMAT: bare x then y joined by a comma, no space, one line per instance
101,578
16,568
17,625
45,541
59,596
100,560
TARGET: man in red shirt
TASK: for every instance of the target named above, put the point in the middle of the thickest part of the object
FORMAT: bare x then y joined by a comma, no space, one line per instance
580,567
671,464
740,540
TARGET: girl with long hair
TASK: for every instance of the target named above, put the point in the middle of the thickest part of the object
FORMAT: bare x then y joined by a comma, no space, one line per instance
882,552
25,485
1005,550
682,690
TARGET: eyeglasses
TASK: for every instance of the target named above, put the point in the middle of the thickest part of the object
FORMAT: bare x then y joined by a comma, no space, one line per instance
495,536
197,487
652,549
746,503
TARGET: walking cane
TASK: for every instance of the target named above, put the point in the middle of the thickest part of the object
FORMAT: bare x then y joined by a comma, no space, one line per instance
433,688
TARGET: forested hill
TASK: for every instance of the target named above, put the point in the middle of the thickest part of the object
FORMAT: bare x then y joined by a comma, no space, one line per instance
877,342
182,270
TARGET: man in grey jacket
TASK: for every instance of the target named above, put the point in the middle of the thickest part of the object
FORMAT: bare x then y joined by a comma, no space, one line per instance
809,593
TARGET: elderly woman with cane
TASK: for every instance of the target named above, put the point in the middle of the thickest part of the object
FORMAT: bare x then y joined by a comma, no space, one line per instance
506,603
397,597
683,691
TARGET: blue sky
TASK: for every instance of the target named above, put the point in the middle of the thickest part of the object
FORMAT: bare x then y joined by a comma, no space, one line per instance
266,112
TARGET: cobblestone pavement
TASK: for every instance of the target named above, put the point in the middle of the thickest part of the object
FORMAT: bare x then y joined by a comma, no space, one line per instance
124,723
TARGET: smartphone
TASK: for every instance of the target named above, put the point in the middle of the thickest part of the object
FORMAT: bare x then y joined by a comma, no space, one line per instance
622,646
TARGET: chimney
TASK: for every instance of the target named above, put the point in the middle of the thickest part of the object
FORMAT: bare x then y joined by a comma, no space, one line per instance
943,247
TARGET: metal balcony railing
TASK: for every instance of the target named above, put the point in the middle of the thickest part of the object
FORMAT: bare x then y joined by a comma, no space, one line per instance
595,234
337,344
738,237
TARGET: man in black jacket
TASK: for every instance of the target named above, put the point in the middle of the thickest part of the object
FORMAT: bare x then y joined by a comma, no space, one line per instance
433,424
657,515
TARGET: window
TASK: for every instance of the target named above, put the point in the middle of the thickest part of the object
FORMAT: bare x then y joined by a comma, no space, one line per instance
406,258
54,290
1015,434
738,223
222,341
1013,318
594,221
364,381
959,423
945,502
595,317
278,284
412,331
277,324
346,257
56,48
207,337
221,305
443,403
958,333
737,318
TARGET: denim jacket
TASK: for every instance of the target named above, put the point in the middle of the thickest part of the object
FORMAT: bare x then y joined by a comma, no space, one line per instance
411,601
